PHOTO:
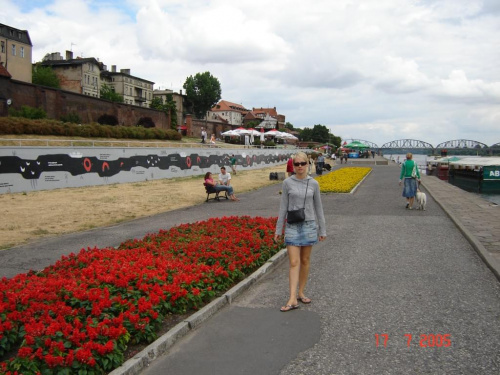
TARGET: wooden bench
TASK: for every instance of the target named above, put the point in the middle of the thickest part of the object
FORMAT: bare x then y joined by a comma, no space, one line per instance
211,190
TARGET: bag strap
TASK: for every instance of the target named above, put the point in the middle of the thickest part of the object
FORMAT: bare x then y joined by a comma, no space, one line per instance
305,196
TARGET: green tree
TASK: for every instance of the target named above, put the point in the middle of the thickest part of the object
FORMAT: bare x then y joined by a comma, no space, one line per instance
289,126
320,133
203,91
109,93
45,76
170,108
306,134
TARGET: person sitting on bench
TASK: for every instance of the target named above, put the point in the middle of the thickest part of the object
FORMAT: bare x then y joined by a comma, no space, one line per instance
209,181
224,177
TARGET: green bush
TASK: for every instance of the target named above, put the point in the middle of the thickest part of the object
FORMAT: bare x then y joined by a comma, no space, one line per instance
18,125
71,117
28,112
269,144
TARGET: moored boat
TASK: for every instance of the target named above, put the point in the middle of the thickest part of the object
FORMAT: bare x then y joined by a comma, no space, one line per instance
476,174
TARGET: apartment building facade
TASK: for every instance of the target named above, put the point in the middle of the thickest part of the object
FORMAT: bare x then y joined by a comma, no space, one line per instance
80,75
16,52
135,90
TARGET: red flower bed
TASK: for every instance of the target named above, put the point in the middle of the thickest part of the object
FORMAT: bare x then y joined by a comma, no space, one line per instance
79,315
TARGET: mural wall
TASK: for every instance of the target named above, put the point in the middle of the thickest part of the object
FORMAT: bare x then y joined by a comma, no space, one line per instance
29,169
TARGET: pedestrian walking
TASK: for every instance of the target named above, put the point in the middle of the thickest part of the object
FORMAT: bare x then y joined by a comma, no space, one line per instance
203,136
233,163
410,174
302,208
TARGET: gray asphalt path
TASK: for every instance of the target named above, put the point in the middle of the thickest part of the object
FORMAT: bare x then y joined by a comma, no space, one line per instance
382,271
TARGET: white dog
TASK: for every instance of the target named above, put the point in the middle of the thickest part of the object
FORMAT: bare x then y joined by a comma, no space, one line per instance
421,199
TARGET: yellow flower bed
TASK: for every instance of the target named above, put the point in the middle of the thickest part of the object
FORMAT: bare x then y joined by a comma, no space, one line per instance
342,180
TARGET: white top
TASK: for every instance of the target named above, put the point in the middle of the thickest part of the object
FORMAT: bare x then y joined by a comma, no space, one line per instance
225,178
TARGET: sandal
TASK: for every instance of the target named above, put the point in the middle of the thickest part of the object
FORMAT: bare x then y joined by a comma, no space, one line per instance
304,300
289,308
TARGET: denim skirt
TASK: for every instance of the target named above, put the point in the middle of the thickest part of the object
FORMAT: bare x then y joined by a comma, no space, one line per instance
304,233
409,187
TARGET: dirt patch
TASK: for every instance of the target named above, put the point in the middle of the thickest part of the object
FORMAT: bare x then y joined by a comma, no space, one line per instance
30,216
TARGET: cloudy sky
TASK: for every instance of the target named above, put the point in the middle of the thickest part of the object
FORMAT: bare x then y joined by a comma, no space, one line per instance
376,70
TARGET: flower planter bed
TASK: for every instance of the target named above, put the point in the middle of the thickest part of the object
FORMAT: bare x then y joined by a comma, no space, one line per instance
80,315
342,180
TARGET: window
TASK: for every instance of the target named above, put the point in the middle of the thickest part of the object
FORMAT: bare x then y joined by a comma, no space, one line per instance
13,50
21,52
2,47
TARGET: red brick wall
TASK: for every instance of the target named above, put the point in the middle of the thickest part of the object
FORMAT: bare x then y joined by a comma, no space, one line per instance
58,103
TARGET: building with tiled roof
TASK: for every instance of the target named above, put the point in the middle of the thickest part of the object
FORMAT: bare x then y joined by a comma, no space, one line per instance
225,111
15,52
269,117
4,73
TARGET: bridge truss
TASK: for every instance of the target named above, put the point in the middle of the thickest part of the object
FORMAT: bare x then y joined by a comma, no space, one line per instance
461,143
407,144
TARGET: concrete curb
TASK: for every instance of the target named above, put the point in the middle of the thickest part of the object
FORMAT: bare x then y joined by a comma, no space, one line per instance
483,253
143,359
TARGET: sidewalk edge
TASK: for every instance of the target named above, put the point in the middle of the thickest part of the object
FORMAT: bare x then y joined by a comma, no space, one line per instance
144,358
483,253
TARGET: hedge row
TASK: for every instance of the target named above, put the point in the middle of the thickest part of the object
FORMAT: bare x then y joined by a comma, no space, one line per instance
18,125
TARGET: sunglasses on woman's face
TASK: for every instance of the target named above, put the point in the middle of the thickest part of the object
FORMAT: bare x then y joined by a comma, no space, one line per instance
302,164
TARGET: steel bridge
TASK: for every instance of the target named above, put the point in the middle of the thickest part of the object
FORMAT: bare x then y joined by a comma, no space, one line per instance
463,145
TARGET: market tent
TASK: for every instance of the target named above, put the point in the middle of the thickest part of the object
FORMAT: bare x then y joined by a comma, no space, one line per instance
230,133
356,144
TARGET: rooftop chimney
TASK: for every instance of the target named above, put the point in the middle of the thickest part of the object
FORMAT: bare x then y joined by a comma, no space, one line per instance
113,68
125,71
69,55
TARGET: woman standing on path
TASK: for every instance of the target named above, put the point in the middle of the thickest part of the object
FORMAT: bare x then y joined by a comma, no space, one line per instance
300,190
410,174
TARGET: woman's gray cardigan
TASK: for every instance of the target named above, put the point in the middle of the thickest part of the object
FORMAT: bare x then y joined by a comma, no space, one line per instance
292,198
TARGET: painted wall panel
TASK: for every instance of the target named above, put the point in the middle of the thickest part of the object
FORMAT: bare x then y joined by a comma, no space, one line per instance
45,168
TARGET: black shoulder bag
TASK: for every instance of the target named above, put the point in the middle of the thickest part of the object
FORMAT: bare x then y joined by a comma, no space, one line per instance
296,216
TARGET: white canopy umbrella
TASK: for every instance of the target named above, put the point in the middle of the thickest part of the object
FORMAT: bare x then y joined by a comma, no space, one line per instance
272,132
230,133
254,132
286,136
242,131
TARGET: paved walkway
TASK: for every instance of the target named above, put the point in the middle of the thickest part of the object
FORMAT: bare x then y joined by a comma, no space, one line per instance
384,272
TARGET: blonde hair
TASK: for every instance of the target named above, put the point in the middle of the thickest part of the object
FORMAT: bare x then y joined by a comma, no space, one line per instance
300,155
409,156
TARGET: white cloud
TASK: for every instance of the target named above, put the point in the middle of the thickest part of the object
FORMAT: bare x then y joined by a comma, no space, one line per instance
375,70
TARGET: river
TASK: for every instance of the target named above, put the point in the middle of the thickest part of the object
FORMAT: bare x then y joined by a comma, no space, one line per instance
422,163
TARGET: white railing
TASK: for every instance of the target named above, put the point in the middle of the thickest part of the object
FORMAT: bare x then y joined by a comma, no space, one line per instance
26,142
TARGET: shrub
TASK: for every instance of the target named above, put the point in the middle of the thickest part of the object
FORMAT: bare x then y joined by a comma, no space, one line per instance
173,135
28,112
269,144
107,120
146,122
71,117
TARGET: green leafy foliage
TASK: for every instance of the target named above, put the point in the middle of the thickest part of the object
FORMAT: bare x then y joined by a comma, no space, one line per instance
109,93
203,91
45,76
13,125
28,112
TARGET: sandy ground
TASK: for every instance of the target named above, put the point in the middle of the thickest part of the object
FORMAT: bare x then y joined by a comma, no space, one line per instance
26,217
